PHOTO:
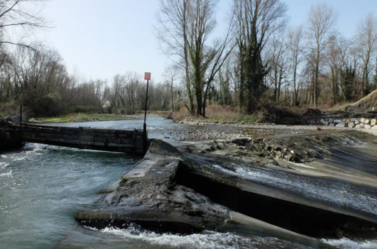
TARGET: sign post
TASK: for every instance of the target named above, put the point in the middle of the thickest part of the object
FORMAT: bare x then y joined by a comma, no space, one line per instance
147,77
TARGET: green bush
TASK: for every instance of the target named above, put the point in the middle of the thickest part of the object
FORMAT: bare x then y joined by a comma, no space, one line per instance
85,109
8,108
47,105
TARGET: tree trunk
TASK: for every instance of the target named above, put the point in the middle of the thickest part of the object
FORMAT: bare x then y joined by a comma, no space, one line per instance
172,96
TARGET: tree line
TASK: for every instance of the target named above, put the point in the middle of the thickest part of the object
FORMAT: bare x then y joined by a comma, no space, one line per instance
261,59
256,58
38,79
35,76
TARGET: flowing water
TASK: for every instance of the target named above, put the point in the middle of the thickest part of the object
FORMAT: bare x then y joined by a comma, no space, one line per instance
41,187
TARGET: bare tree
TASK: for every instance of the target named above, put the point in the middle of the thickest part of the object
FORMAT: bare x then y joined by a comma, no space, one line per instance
367,46
173,35
334,61
295,51
171,74
339,62
223,84
186,27
277,58
257,21
18,14
321,21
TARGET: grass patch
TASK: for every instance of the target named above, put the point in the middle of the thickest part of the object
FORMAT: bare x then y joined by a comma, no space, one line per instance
80,117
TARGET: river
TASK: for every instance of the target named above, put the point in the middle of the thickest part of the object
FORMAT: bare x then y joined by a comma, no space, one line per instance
41,187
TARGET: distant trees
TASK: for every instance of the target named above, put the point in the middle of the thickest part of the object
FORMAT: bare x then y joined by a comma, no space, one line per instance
38,79
278,65
171,75
335,66
295,54
348,75
126,93
224,80
38,75
367,46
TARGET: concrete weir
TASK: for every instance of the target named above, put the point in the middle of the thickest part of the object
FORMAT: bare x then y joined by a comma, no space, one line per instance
156,195
127,141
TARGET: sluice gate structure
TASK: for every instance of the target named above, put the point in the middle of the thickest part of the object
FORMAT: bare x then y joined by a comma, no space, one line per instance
127,141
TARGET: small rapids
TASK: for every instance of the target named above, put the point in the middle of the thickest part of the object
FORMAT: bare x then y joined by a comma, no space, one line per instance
3,165
349,244
206,240
354,197
42,186
8,174
4,172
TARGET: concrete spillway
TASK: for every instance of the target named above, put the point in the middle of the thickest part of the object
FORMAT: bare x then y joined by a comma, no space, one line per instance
164,192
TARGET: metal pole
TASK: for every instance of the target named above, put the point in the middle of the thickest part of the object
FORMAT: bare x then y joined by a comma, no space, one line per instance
145,118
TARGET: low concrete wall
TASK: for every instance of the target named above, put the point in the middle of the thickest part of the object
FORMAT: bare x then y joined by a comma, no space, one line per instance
130,141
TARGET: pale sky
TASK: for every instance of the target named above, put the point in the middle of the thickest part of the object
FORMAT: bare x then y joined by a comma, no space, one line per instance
102,38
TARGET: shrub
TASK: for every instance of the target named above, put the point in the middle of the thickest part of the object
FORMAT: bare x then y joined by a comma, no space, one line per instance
85,109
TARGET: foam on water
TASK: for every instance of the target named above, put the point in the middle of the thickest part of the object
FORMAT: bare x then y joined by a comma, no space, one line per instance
207,240
37,149
3,165
212,240
30,150
342,194
349,244
8,174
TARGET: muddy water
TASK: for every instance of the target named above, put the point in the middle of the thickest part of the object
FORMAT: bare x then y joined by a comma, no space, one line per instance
41,187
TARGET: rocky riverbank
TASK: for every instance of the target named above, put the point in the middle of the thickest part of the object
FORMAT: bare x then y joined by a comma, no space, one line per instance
357,123
204,130
341,155
200,130
292,148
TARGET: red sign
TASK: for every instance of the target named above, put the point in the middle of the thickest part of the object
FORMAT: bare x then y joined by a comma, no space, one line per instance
147,76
